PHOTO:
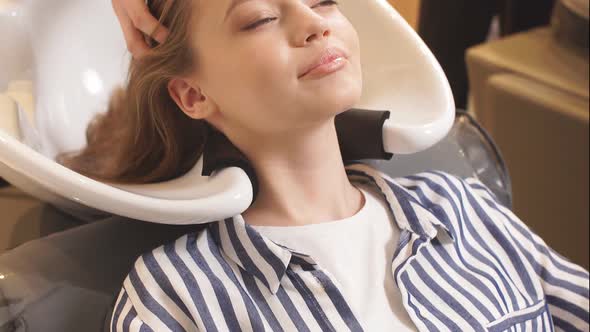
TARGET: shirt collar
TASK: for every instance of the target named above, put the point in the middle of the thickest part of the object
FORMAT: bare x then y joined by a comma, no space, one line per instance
268,260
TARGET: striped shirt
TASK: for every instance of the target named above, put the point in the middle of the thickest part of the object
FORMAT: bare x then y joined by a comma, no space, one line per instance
463,262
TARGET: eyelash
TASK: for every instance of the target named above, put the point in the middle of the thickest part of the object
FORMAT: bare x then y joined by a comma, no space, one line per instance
270,19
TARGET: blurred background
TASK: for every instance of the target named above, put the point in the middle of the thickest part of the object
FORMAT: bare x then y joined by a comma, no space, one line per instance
520,67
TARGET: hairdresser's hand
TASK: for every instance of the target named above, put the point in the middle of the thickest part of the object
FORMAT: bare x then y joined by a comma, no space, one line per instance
135,18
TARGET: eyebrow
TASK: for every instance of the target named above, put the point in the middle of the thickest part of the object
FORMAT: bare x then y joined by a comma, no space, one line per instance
232,5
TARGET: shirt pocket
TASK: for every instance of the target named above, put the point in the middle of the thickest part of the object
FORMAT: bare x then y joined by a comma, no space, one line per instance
533,318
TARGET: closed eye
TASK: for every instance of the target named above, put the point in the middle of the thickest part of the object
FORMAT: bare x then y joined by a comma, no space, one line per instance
327,3
258,23
270,19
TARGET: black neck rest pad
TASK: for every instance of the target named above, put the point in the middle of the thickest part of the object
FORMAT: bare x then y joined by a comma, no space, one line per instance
359,131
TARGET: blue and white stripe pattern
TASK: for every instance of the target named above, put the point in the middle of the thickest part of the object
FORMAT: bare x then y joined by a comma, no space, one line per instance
463,263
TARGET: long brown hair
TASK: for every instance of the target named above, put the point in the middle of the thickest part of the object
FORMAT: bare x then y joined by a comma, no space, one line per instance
144,137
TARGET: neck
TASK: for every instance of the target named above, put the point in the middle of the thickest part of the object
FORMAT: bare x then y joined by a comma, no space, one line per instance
301,181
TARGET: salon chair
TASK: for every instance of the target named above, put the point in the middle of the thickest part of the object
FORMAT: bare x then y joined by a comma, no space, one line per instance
67,281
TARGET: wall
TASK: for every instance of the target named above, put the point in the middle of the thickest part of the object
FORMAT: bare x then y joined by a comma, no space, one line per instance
409,10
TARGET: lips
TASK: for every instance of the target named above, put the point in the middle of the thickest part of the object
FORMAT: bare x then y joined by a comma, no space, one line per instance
326,56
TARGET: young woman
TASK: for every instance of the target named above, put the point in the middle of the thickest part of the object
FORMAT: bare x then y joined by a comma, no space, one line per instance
324,246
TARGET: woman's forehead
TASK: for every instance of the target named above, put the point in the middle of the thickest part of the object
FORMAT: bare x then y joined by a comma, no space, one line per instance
211,11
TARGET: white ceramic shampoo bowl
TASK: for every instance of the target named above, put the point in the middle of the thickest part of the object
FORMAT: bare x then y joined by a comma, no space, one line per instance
74,60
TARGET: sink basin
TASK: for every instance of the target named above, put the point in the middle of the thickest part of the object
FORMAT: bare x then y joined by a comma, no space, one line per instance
57,70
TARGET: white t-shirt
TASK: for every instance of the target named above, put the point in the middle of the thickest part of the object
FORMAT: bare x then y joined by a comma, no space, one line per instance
356,252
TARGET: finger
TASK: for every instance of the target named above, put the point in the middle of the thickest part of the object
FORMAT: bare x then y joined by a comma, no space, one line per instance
133,38
161,34
143,20
115,4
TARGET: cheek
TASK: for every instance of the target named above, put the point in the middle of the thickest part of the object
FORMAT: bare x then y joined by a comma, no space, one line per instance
248,92
350,36
353,43
264,75
268,64
258,62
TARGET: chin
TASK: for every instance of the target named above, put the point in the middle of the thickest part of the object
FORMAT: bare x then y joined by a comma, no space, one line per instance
347,96
337,98
338,103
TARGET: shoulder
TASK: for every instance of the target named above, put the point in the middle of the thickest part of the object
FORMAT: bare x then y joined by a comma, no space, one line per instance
462,192
437,184
430,188
448,196
157,291
160,273
189,249
437,181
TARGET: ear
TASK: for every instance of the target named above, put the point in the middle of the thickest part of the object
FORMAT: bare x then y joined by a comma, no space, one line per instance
189,97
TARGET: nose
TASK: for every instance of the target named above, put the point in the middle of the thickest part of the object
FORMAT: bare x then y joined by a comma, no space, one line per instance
323,31
310,26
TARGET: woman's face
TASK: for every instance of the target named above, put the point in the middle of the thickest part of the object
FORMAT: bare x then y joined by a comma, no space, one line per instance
251,55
